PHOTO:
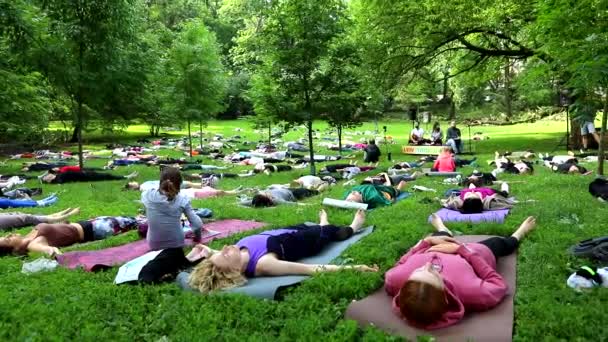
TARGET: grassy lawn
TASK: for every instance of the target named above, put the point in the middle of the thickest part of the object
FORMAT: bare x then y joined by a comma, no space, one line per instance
75,305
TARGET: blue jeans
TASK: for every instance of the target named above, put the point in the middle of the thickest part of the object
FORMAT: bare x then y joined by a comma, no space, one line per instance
9,203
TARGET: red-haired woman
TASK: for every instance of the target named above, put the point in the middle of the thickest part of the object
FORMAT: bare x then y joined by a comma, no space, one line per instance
439,279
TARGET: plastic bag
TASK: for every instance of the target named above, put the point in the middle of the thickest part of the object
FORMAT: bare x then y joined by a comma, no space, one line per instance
39,265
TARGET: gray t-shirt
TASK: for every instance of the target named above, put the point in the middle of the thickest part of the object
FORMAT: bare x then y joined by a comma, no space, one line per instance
164,219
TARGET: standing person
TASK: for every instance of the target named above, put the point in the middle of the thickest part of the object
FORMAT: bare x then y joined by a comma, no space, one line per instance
453,138
164,209
436,135
372,152
417,135
584,112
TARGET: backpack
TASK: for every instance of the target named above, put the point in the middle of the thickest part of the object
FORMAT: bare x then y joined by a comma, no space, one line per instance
596,249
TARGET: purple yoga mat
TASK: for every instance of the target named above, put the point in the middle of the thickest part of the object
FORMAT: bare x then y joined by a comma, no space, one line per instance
96,260
496,216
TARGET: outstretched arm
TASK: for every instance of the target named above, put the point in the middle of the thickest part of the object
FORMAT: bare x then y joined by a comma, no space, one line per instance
276,267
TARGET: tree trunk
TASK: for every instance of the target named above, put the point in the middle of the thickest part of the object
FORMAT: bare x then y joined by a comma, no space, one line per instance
74,137
157,132
445,86
79,128
340,140
269,134
190,138
200,132
508,99
312,152
600,152
452,109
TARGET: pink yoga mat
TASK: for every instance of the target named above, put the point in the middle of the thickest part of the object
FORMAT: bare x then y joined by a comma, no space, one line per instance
104,258
495,325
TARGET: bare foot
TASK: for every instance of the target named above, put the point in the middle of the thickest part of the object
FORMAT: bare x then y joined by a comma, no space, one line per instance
132,175
526,227
323,221
401,185
358,220
438,224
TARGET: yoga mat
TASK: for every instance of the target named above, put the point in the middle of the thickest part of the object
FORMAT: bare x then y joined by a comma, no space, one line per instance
96,260
495,325
428,172
492,216
267,287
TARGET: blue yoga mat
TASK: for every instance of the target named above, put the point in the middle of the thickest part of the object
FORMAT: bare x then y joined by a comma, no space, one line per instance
266,287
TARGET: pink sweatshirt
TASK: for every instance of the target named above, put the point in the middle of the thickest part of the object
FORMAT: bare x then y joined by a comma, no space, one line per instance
445,163
470,278
484,192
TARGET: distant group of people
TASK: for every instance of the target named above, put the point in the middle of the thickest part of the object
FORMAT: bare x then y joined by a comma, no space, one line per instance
453,137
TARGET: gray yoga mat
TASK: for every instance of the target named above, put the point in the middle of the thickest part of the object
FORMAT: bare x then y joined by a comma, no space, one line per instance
266,287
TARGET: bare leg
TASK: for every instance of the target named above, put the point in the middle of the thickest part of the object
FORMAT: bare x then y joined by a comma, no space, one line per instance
358,221
401,185
61,216
526,227
192,185
438,224
596,137
585,141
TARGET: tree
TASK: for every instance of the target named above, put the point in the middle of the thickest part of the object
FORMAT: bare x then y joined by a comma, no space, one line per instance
86,39
295,37
581,54
197,75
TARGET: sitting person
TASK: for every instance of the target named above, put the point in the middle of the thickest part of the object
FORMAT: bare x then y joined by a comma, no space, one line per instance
372,152
436,135
82,176
453,138
28,203
271,253
48,237
374,195
445,161
417,135
278,194
19,220
475,200
439,280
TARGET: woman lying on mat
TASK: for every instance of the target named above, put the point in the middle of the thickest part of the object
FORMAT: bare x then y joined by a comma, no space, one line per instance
570,167
479,179
48,237
270,253
278,194
315,183
439,280
19,220
473,200
82,176
374,195
504,164
384,178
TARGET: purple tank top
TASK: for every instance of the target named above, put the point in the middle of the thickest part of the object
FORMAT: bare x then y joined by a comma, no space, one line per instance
257,247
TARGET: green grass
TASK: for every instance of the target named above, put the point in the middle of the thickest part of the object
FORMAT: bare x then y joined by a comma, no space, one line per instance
75,305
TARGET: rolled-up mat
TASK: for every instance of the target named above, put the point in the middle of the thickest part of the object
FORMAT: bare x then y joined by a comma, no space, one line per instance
490,216
105,258
267,287
495,325
441,174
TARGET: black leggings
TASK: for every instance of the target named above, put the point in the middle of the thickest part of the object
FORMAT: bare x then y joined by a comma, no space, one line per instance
84,176
500,246
306,241
301,193
165,266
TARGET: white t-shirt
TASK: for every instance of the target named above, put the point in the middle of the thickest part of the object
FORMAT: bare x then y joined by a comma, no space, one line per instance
310,181
418,132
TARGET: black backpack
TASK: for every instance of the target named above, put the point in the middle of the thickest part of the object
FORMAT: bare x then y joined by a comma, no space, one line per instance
596,249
